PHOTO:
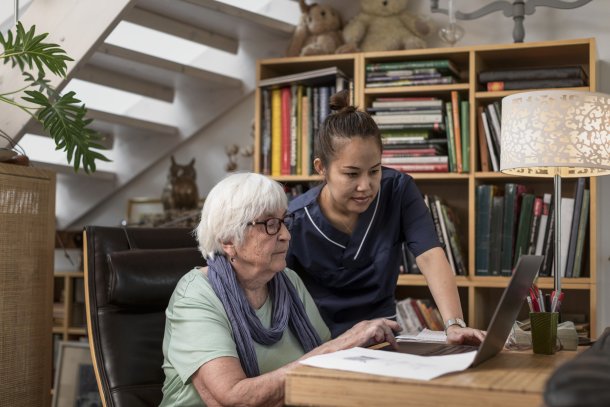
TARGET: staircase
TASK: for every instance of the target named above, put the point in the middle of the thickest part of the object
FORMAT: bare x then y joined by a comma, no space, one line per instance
171,93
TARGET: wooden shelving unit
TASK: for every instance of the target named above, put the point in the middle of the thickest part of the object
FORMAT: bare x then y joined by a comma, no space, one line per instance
479,295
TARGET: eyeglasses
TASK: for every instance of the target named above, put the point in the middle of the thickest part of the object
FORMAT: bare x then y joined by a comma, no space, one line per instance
273,225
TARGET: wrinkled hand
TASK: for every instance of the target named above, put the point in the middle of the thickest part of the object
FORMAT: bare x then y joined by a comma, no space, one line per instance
465,336
367,333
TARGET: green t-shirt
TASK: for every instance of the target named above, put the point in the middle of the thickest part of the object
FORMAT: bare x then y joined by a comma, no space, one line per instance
198,330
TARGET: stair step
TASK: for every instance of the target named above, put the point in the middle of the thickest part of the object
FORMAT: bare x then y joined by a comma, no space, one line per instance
111,118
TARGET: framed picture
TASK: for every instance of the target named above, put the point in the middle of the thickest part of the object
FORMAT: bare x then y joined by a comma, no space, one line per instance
144,211
75,384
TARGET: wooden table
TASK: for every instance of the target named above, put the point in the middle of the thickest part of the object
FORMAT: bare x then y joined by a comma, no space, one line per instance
509,379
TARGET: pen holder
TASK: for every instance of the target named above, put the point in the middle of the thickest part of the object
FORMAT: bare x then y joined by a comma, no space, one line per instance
544,332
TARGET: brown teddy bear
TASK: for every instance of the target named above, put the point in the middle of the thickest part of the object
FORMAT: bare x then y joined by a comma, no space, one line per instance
318,31
384,25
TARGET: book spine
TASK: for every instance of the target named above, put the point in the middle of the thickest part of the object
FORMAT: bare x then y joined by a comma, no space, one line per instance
266,132
465,127
443,80
419,167
410,118
441,63
294,128
455,111
578,195
488,137
537,213
407,104
567,212
529,74
305,132
495,240
414,160
450,137
549,243
276,132
535,84
483,149
484,202
546,202
448,250
454,240
285,168
523,230
582,233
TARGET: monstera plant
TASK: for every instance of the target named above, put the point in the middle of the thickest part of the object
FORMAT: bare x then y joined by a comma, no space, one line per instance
61,115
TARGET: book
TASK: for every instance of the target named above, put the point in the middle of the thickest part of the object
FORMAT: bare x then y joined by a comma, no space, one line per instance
549,242
450,137
567,212
407,118
448,250
404,159
582,233
493,119
443,80
444,65
512,203
294,127
305,133
483,149
276,132
457,134
407,126
285,143
314,77
536,214
544,217
495,240
402,72
484,204
419,167
495,166
523,228
451,222
465,129
430,201
535,84
266,132
407,103
578,195
557,72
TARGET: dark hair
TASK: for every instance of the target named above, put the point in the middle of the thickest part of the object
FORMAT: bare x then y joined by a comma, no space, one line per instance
346,122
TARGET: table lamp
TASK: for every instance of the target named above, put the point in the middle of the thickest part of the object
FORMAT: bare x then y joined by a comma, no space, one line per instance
556,133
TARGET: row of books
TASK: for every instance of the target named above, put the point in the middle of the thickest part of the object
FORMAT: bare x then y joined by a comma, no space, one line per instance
512,222
446,224
413,315
489,130
423,134
293,108
533,78
411,73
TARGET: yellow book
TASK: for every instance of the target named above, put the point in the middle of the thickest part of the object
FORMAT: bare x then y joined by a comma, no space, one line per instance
305,141
276,132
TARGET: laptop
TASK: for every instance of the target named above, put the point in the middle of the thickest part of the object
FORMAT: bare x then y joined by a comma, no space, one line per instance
501,322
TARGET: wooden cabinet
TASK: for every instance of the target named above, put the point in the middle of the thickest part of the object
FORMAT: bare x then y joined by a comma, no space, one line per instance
479,294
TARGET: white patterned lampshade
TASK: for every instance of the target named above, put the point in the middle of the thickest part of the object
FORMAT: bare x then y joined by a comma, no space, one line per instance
555,132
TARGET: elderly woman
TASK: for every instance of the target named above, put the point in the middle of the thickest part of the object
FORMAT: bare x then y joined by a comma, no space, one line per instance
236,327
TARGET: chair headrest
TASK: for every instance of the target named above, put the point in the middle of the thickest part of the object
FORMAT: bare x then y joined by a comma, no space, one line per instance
147,278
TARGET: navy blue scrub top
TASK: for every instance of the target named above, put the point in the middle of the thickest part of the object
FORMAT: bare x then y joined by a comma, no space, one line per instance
353,278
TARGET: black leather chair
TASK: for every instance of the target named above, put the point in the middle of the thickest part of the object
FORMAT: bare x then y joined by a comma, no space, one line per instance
130,274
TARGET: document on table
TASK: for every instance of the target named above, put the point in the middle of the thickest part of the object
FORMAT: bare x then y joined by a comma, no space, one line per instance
394,364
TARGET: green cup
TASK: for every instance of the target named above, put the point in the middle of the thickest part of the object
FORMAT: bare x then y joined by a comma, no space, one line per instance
544,332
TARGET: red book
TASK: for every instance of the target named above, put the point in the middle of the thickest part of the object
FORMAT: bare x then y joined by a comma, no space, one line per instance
286,107
415,152
419,167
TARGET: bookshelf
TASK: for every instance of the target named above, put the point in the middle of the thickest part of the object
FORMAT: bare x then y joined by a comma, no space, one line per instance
479,294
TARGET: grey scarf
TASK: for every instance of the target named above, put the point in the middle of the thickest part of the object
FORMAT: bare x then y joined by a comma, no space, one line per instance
287,310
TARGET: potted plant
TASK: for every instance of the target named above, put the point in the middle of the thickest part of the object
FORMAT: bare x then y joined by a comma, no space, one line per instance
61,115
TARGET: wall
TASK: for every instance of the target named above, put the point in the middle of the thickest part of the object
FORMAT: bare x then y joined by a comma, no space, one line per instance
544,25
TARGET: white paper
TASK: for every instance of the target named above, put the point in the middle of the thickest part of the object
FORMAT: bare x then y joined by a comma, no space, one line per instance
394,364
426,335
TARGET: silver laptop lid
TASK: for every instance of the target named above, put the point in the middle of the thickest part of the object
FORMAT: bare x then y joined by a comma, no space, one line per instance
508,308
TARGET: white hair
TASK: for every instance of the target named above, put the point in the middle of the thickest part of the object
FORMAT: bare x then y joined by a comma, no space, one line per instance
232,203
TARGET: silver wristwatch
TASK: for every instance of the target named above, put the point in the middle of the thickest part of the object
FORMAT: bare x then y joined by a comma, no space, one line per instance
454,321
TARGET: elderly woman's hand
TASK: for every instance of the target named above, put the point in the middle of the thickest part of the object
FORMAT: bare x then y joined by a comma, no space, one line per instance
367,333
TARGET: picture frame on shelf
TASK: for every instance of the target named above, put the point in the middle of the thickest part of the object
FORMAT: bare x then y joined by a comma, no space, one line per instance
75,383
144,211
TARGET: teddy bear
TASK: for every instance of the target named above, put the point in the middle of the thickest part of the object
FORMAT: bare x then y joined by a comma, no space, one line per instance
318,31
384,25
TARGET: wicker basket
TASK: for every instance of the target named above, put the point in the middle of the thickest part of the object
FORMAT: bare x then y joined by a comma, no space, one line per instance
27,228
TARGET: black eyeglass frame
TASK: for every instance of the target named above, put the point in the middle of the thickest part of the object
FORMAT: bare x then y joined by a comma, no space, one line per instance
286,220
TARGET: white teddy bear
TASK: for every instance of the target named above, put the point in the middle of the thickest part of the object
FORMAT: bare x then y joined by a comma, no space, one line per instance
384,25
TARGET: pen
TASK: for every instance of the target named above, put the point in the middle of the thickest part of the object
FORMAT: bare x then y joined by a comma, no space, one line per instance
540,300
